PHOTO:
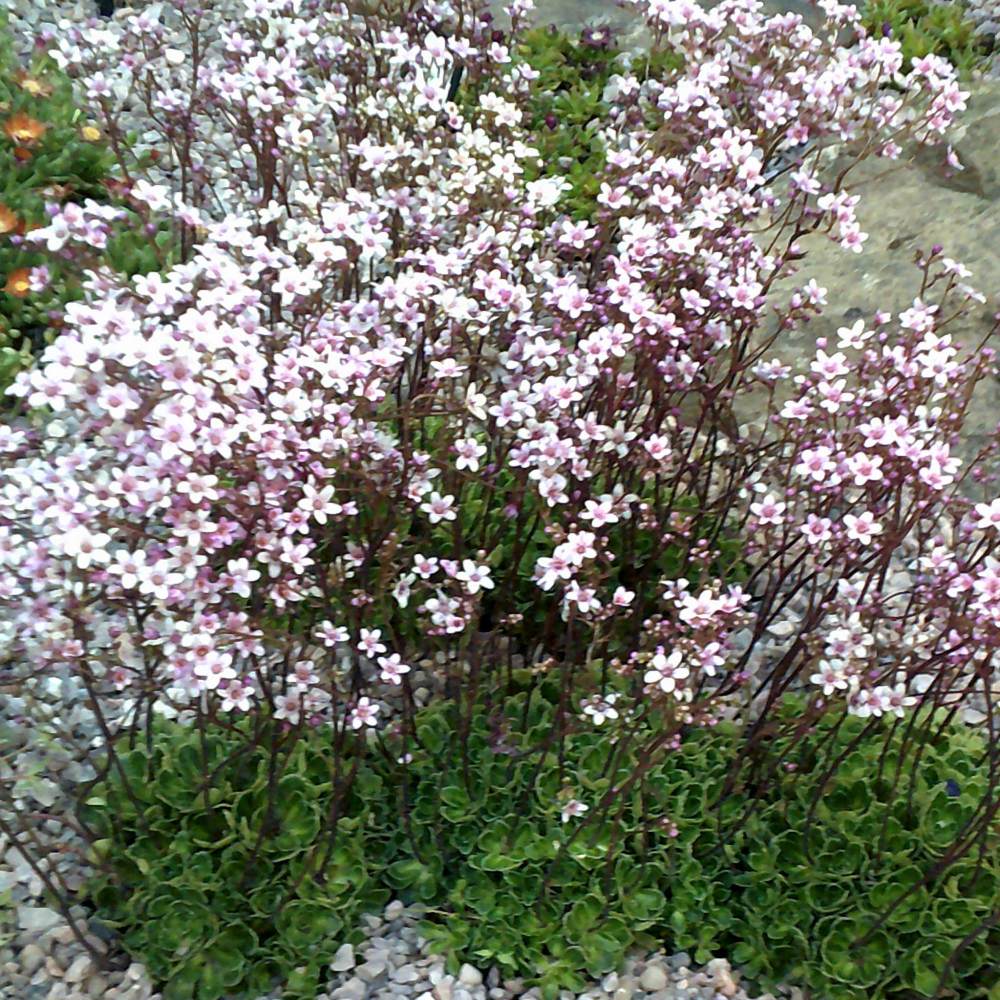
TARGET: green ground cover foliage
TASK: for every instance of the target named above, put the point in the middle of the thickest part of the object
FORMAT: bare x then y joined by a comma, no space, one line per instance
472,828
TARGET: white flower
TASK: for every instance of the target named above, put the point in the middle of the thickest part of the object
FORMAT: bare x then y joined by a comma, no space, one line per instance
474,576
599,708
862,527
365,713
393,669
439,508
469,452
85,546
665,671
988,514
475,402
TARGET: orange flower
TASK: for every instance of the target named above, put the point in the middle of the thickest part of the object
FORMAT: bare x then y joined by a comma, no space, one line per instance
17,283
23,129
8,220
22,153
32,85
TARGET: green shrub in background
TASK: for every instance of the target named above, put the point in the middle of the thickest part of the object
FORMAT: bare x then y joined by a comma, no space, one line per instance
566,107
49,155
925,27
512,876
216,887
512,883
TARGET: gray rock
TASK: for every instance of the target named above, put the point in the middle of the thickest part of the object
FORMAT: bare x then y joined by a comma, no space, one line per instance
960,212
96,986
344,959
80,968
405,974
470,976
37,918
372,969
31,958
782,629
353,989
653,978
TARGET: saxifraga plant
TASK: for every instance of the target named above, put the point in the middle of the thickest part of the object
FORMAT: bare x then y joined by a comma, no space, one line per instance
247,486
210,863
516,872
834,881
567,104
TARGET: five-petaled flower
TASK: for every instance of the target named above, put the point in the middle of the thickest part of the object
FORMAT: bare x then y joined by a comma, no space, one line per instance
365,713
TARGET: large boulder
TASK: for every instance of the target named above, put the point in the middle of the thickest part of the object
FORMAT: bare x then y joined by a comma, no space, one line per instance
909,205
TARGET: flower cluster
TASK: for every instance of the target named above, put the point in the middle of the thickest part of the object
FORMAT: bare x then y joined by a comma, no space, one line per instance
384,349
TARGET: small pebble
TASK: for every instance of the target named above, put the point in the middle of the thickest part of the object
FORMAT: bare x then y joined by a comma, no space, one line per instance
470,976
353,989
31,958
79,969
37,919
372,969
653,978
344,959
405,974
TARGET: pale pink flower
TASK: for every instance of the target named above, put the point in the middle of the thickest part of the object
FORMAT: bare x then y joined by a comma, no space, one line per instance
288,707
988,514
769,510
370,642
572,809
599,512
330,634
393,669
365,713
439,508
475,576
469,452
862,527
865,468
236,695
665,671
318,503
600,708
